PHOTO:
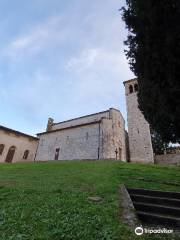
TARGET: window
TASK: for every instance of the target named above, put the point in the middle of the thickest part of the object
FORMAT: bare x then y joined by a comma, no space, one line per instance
136,87
130,89
1,148
10,154
42,142
26,153
87,136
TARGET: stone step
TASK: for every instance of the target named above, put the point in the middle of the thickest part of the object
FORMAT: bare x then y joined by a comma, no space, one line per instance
152,218
156,200
157,209
154,193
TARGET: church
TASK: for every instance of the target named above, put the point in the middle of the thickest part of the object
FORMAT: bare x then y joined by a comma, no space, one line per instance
97,136
100,135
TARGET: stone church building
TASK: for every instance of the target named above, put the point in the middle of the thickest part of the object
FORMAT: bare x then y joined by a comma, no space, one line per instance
96,136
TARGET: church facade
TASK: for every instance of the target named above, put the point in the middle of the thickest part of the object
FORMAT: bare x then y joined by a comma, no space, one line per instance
96,136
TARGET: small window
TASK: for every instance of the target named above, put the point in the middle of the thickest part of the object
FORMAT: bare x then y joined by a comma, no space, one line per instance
1,148
42,142
87,136
136,87
26,153
130,89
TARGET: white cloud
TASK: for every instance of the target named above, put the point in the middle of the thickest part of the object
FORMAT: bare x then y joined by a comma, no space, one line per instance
96,59
34,40
99,74
86,59
80,63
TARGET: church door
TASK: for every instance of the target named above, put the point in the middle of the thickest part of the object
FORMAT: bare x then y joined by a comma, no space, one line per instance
57,154
10,154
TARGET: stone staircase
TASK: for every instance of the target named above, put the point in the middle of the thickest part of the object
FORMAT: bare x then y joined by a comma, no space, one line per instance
156,207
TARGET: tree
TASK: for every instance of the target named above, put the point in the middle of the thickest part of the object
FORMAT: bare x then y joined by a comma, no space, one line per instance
154,57
159,146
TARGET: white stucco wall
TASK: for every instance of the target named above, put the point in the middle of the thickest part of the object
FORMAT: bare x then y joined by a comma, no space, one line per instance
21,143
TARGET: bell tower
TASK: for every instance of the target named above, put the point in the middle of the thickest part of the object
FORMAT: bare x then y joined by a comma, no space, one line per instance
140,145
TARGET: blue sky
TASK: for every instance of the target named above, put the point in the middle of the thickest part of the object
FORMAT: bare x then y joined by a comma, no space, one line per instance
60,59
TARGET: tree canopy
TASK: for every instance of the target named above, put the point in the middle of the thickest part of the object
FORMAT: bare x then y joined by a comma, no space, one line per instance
154,57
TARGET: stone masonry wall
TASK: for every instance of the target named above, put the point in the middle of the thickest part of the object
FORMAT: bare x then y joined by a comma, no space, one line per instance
74,143
113,136
81,120
138,128
92,141
168,159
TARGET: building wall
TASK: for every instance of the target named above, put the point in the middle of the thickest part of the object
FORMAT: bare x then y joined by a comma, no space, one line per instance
92,141
74,143
81,120
138,128
113,136
21,143
168,159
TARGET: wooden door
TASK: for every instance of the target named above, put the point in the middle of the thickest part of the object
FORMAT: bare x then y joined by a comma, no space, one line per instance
10,154
57,154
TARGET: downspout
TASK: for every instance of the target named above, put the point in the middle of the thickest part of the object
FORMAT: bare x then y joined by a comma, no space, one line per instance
36,151
99,141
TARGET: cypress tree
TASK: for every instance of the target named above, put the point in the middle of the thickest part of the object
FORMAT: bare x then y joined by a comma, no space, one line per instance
154,57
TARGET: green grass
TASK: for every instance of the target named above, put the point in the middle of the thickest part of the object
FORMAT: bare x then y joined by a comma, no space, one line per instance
49,200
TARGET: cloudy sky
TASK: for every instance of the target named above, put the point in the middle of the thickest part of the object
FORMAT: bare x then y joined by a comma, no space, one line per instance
60,59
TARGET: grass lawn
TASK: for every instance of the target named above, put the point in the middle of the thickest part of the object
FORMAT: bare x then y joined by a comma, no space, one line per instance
49,200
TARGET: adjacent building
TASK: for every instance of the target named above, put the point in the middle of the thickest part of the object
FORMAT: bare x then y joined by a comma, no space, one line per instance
16,146
96,136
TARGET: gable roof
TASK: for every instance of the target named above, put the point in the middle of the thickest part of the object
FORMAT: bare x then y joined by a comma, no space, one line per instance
9,130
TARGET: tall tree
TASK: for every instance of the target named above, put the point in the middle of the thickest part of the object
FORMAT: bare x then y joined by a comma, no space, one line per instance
154,57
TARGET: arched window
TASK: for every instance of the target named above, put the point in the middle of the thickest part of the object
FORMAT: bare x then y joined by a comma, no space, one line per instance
10,154
1,148
26,153
136,87
130,89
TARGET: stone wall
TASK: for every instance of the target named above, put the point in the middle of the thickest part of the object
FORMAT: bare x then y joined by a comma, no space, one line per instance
81,120
171,159
74,143
113,136
21,144
138,128
97,138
